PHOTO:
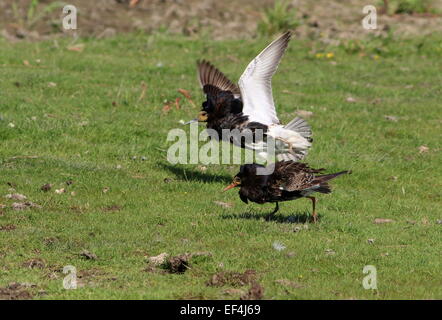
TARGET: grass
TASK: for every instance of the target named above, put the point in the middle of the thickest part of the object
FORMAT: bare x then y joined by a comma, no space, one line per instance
34,12
95,120
276,19
408,6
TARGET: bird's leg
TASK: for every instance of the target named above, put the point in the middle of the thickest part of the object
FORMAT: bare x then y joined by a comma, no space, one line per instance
315,215
270,215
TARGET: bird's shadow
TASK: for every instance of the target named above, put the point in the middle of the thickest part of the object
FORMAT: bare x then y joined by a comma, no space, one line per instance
303,217
188,174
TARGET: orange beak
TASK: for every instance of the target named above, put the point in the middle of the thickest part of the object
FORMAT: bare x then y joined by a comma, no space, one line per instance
231,186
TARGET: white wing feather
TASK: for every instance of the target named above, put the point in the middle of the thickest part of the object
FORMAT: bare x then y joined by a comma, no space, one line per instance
256,82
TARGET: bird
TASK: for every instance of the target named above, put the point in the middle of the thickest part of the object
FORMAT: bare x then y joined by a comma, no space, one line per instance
281,181
249,107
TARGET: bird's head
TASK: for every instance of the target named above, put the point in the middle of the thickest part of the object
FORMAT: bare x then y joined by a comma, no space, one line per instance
235,183
201,117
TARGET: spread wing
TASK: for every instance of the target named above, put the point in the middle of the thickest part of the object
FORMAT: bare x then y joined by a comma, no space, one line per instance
256,82
213,81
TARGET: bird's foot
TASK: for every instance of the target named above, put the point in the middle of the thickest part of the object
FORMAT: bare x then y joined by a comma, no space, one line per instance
315,217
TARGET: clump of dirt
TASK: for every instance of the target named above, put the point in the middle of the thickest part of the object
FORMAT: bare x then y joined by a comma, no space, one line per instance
25,205
8,227
15,291
235,279
114,207
16,196
50,241
88,255
175,264
46,187
34,263
256,292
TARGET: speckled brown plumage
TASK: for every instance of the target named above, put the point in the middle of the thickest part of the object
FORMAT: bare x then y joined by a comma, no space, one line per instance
284,181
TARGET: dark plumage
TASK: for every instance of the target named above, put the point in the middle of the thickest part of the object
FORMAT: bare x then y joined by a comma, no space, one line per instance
249,107
281,181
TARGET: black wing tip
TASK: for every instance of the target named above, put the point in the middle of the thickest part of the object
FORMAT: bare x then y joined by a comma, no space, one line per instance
201,62
287,35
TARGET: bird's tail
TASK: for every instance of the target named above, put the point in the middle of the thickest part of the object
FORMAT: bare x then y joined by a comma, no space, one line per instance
301,126
324,187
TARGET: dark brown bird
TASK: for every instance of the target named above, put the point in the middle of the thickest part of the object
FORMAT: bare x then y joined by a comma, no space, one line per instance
249,106
281,181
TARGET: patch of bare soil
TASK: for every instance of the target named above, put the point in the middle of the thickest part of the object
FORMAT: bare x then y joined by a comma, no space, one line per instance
231,278
114,207
8,227
256,292
326,20
15,291
34,263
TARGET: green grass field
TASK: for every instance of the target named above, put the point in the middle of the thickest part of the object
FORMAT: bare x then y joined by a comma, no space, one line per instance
89,125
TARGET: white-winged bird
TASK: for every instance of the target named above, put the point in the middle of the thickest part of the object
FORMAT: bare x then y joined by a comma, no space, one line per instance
286,180
250,105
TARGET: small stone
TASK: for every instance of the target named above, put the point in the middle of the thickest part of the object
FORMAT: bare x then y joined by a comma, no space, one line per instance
370,241
60,191
391,118
380,220
423,149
